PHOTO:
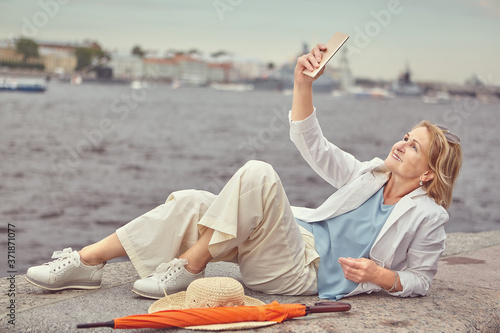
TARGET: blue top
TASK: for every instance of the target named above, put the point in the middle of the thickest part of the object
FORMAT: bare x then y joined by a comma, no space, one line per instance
351,234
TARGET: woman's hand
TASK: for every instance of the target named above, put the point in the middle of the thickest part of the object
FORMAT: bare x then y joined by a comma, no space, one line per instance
302,105
310,62
366,270
360,270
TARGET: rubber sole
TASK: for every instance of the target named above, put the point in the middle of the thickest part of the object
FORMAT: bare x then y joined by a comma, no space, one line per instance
68,285
143,294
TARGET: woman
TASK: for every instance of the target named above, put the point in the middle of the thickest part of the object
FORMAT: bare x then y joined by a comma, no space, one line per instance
388,215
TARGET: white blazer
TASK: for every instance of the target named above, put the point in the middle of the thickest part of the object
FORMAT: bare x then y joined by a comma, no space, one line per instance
411,240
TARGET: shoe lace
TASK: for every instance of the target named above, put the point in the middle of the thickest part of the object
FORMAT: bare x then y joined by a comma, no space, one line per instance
63,259
168,270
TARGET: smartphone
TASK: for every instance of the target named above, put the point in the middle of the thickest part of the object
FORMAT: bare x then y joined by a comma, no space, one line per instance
332,46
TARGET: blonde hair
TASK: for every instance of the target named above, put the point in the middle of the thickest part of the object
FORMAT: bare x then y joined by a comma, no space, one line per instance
445,159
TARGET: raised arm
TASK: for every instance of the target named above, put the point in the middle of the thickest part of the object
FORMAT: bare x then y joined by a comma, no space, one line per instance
302,105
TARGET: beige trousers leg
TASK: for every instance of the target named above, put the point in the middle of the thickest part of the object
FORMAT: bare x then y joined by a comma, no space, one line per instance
253,225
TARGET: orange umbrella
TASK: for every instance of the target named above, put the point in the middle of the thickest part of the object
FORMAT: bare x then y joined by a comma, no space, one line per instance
222,315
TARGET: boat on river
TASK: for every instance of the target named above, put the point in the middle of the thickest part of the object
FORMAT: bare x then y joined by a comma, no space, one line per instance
22,84
404,86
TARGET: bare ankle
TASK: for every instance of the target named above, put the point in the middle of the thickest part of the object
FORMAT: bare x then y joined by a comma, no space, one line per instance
193,267
193,270
87,260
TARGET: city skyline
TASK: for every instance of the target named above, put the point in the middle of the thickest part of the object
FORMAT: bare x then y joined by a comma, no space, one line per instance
446,41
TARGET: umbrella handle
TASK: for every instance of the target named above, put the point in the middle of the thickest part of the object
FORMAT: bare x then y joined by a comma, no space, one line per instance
110,323
321,307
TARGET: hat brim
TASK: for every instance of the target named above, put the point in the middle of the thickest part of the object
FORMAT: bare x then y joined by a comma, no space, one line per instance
243,325
176,302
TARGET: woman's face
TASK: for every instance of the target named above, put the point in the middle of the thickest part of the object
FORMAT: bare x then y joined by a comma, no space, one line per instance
409,157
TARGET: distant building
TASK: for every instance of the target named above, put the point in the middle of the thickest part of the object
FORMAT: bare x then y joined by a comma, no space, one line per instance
56,57
190,69
59,63
248,70
60,57
126,66
8,54
220,72
157,68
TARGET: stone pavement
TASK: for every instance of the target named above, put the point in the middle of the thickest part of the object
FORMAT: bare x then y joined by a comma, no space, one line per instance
464,297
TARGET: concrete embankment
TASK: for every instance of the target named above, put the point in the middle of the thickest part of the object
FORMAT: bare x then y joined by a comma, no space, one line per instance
465,297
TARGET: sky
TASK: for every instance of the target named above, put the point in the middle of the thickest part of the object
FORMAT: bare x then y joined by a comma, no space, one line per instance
440,40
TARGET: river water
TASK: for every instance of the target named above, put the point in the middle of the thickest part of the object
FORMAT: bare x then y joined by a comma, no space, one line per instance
77,162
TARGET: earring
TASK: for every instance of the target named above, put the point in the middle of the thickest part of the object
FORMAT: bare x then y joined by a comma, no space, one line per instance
421,183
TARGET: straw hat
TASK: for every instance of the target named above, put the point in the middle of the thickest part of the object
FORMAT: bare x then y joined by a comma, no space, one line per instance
208,293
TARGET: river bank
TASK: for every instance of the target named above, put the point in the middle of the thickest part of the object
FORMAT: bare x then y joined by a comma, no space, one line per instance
464,297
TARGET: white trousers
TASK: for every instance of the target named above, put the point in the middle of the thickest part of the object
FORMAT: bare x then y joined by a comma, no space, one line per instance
253,226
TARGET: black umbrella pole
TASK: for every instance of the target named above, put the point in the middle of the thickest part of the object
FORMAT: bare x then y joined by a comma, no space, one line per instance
110,323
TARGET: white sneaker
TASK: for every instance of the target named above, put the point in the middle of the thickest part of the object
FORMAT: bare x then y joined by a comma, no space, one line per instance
168,278
66,272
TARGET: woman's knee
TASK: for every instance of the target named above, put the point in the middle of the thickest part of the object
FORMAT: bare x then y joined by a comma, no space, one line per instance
187,199
259,171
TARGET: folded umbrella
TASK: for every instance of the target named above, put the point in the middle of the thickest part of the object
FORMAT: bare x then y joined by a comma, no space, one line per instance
274,312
